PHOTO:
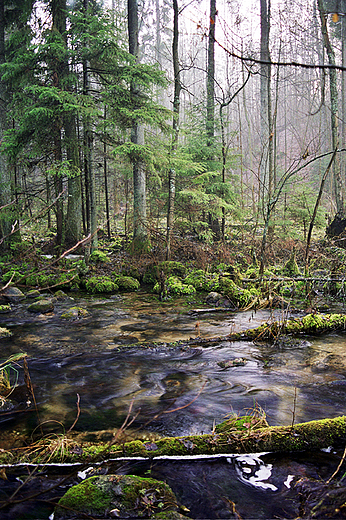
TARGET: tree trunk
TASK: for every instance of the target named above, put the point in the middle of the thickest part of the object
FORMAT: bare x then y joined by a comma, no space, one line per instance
105,172
74,207
265,95
176,122
210,124
140,241
248,434
5,170
337,182
90,183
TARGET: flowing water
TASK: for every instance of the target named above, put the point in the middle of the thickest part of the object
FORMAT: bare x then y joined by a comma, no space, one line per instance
96,357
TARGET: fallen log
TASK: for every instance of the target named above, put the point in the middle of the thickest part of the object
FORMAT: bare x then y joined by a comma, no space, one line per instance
309,324
228,439
237,435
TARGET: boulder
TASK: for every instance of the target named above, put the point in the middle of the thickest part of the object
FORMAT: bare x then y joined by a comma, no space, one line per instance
117,496
13,294
41,306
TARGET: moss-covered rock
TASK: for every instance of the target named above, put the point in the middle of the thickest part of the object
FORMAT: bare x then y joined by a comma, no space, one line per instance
74,313
291,267
172,268
98,257
60,295
239,297
69,280
175,287
127,496
127,283
34,293
198,279
155,272
41,306
101,284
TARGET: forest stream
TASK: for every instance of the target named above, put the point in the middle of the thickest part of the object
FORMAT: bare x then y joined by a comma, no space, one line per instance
123,354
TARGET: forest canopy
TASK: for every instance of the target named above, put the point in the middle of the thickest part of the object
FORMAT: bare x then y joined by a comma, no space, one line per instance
155,120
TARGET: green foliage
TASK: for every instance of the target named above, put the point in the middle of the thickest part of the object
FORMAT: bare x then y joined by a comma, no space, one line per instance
13,274
101,284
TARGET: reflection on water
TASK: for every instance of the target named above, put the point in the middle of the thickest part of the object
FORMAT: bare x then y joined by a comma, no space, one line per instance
297,379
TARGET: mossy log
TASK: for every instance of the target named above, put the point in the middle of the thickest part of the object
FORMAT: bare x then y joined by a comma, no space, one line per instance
242,435
227,439
310,324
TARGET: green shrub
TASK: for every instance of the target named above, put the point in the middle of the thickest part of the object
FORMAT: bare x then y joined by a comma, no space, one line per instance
14,274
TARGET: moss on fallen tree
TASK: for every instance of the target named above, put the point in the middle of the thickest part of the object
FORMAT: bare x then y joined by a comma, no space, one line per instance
241,435
309,324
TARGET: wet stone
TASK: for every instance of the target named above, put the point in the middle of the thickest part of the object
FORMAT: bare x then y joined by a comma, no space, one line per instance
13,294
41,306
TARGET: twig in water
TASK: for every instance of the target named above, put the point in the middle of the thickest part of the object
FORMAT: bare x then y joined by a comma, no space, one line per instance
77,417
294,407
27,380
339,466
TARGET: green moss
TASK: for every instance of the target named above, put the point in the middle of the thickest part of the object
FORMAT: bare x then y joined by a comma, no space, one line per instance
139,246
168,268
198,279
98,257
74,312
13,274
176,287
5,308
309,324
62,280
132,496
127,283
172,268
243,423
291,267
101,284
238,296
87,497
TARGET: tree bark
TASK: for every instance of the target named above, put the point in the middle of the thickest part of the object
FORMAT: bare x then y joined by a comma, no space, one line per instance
176,123
140,241
210,124
337,182
6,219
265,95
90,183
